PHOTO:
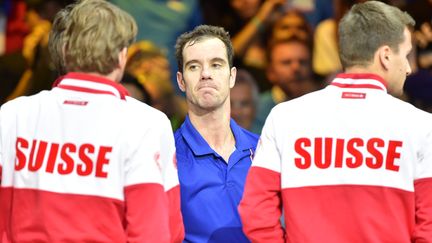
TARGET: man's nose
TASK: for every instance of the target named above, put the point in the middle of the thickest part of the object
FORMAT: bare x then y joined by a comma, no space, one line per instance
205,72
409,70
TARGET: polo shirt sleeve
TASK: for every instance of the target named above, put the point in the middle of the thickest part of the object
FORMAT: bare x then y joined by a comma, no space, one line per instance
263,190
423,191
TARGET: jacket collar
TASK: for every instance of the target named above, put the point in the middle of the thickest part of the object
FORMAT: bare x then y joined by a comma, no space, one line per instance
88,83
360,80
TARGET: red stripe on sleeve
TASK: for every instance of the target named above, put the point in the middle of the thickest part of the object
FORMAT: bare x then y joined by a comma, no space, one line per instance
175,216
147,213
260,208
423,204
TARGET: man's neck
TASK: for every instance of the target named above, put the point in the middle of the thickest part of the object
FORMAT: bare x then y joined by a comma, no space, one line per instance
115,76
215,128
361,69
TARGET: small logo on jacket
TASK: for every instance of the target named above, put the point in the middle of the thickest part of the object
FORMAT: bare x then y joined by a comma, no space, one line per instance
75,102
353,95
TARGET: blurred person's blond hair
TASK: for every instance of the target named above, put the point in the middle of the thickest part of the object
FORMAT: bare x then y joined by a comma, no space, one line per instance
57,38
97,31
149,64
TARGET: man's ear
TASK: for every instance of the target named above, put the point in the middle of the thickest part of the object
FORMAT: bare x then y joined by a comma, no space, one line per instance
385,55
122,58
180,81
233,74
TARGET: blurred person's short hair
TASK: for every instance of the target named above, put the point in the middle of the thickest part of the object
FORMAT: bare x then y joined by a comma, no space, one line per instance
279,28
142,51
287,40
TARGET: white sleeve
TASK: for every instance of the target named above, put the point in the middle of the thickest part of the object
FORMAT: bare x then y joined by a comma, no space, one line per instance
143,162
423,191
267,153
1,145
167,156
424,163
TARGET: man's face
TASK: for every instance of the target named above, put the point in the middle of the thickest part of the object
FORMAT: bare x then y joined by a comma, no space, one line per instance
245,8
207,77
399,67
291,24
243,108
290,67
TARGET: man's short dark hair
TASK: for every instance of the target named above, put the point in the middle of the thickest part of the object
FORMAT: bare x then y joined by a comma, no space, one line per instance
199,33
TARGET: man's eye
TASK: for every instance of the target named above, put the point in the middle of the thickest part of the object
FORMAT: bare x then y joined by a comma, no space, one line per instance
217,65
193,67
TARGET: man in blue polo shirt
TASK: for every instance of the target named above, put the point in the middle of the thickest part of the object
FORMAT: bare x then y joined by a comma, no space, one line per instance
213,153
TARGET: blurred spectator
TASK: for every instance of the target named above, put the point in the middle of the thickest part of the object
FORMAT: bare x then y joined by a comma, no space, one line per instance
290,70
3,15
292,23
244,100
246,21
136,89
252,24
162,21
12,66
12,63
322,9
248,46
289,24
421,10
16,25
325,51
149,65
418,89
418,86
37,72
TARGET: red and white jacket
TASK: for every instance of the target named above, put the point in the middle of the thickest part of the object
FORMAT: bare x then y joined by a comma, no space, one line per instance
348,163
84,162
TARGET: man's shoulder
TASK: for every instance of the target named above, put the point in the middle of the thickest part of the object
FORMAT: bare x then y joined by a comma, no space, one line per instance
405,109
303,102
23,101
179,140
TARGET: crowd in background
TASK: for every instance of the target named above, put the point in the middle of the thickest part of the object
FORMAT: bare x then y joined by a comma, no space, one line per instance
283,49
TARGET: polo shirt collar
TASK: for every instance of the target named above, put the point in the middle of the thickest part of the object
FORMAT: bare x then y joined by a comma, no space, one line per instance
242,143
87,83
200,147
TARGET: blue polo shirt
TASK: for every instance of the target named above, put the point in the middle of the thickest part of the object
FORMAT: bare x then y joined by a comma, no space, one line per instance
210,187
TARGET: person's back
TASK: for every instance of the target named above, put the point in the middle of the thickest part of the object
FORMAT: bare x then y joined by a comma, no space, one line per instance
75,158
342,161
84,162
349,163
